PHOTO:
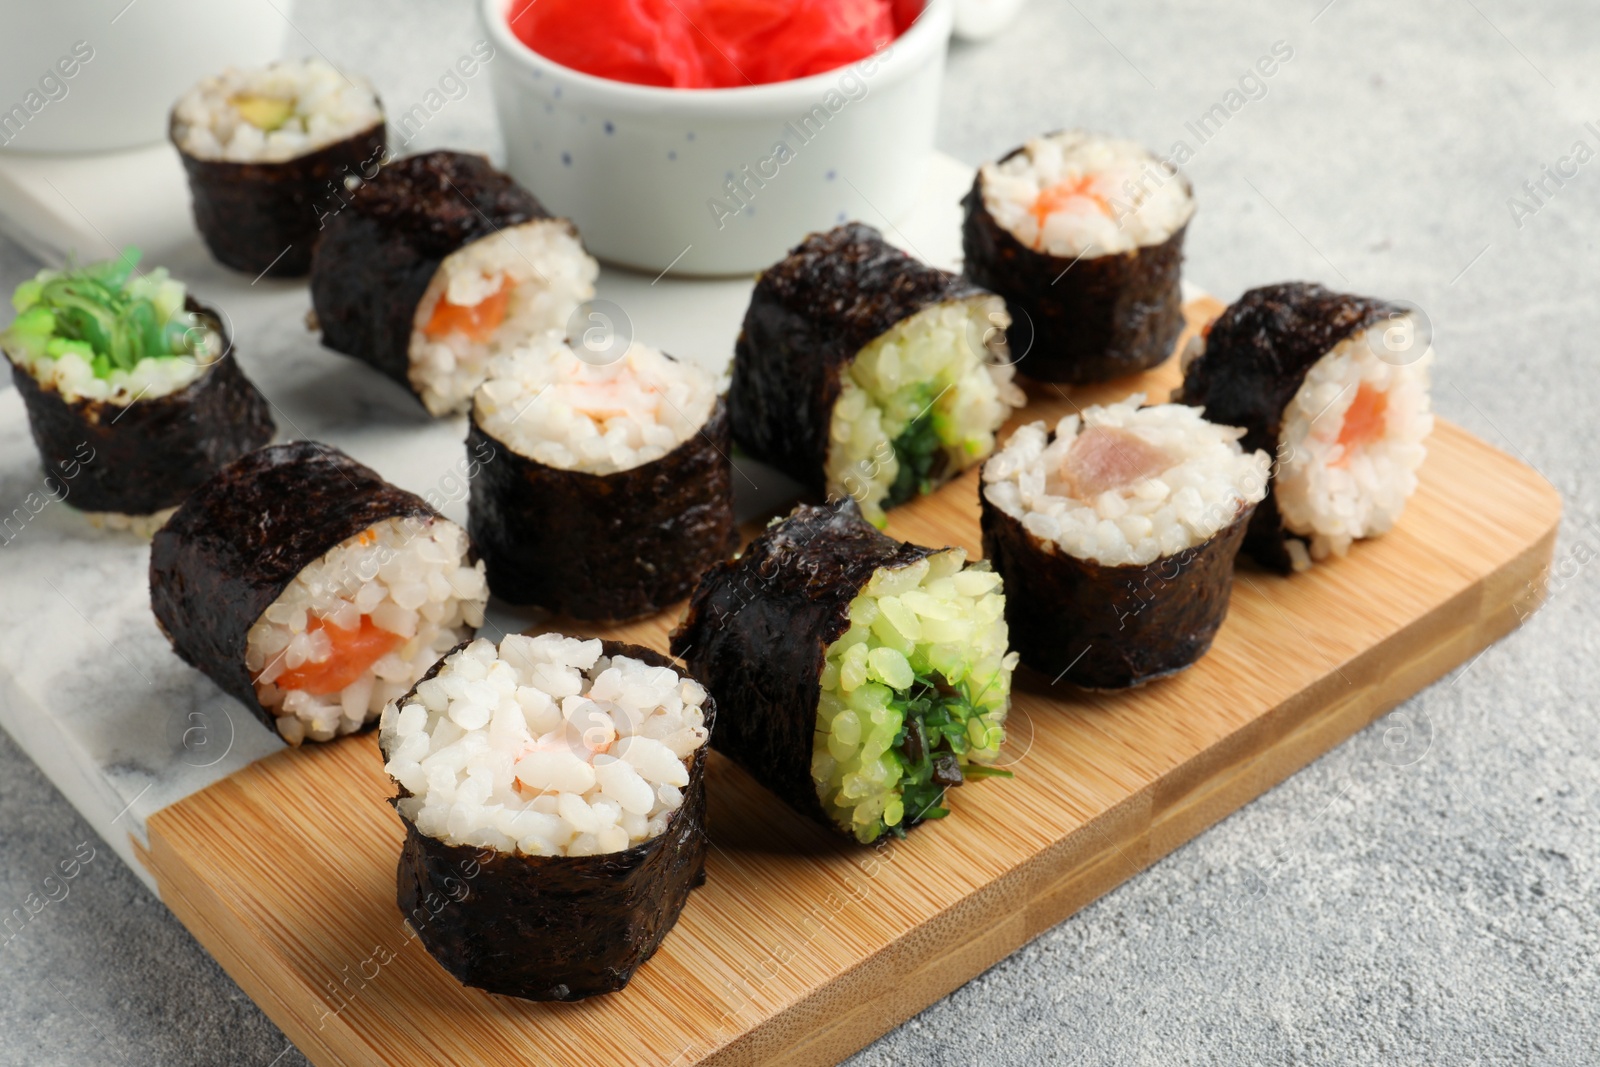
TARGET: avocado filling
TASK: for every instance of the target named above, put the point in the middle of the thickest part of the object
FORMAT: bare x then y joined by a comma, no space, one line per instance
265,113
920,404
914,695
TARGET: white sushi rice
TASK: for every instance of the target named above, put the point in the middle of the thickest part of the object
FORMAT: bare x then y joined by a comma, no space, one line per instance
550,275
543,746
946,362
318,104
1332,494
408,576
150,378
1204,481
1100,195
547,403
143,527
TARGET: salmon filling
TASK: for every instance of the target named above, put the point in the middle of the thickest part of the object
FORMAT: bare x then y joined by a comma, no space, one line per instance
1363,421
476,322
356,628
354,652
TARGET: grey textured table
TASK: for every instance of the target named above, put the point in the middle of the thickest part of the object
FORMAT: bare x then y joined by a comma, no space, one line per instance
1439,905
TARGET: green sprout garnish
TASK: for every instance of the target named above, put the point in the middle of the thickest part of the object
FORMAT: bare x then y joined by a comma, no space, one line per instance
920,451
937,725
103,314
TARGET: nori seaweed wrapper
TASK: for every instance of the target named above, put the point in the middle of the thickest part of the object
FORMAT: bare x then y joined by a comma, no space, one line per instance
377,256
758,631
1110,627
603,546
148,455
267,216
555,927
1256,357
1093,319
809,316
242,537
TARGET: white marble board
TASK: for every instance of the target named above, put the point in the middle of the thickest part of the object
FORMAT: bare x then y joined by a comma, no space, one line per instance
88,686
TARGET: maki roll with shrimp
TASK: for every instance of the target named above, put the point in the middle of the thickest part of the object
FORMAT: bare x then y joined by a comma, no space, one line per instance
862,372
1083,236
268,152
436,264
860,678
1116,533
567,778
132,390
311,590
1335,388
610,490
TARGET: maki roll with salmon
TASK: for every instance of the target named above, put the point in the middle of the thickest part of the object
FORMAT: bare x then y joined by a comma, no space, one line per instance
1116,533
1335,388
1083,236
269,152
610,489
131,387
438,263
311,590
859,677
862,372
568,778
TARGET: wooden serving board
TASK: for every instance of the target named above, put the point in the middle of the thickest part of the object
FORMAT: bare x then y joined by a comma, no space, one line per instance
801,949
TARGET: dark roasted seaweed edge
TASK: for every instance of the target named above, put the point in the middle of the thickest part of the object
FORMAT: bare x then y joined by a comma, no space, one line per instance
502,550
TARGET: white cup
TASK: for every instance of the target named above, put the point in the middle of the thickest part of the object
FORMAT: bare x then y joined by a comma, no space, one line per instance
97,75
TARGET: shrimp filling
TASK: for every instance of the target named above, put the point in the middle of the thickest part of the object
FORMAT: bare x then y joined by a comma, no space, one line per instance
359,626
1074,194
541,745
574,409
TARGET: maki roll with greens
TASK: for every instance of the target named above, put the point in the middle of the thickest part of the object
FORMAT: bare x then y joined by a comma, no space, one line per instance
860,678
1116,534
268,152
1083,236
131,388
438,263
311,590
862,372
610,490
1335,388
579,766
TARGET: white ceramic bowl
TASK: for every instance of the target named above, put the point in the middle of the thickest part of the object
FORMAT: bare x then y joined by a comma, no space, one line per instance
694,179
128,63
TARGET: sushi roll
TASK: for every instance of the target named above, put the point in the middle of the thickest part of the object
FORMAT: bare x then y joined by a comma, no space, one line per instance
1116,534
610,490
1335,388
567,778
860,678
268,152
131,388
861,372
1083,236
311,590
436,264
